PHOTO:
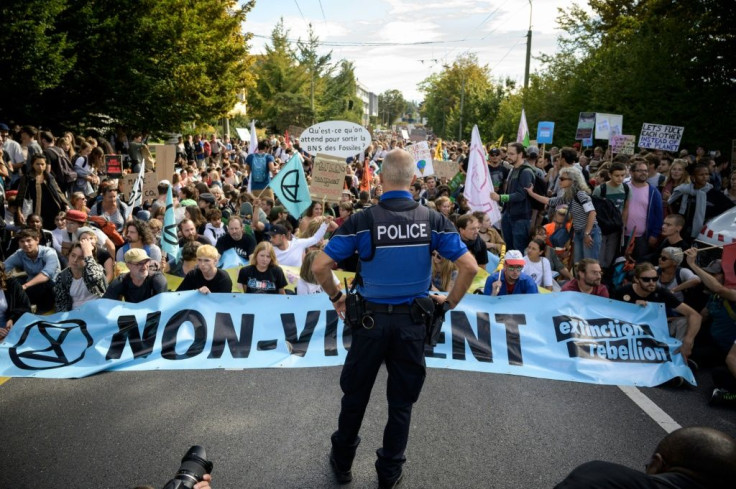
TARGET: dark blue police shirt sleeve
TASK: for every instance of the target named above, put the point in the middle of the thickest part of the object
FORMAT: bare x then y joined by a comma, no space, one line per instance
446,240
344,242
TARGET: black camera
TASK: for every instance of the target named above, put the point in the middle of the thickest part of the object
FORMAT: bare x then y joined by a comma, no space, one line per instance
193,467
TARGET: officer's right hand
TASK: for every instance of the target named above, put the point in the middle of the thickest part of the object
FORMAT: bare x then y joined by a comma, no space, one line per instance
339,306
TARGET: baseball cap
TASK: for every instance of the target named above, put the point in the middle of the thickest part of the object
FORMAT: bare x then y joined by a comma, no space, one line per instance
136,255
207,197
75,215
187,202
514,257
85,229
278,229
714,267
495,152
4,127
532,151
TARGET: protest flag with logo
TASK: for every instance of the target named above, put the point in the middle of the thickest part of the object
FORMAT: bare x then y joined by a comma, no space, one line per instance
522,135
169,238
478,184
498,143
290,186
136,194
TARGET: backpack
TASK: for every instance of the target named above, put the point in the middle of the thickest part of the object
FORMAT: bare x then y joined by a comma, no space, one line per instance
108,228
606,213
66,168
259,168
540,188
207,148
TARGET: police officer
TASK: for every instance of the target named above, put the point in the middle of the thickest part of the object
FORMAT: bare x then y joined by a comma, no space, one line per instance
395,240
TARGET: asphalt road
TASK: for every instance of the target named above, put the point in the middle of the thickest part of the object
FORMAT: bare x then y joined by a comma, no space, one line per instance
270,428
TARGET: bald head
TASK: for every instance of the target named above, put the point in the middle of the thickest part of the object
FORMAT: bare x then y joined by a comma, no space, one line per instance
704,452
397,171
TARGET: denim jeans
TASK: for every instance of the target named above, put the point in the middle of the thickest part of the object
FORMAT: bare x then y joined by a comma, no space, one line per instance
515,232
581,251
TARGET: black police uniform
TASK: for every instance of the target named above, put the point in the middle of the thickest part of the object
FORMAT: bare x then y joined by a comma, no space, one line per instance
394,240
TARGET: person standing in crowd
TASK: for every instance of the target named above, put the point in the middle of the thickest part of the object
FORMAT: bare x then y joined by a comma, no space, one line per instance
16,160
576,195
517,209
617,192
38,193
261,166
644,221
511,280
207,278
263,275
41,266
14,302
587,279
83,281
139,283
389,331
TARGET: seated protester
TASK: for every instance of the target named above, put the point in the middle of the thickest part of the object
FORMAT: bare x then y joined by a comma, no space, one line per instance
688,458
724,380
187,261
290,251
110,207
196,215
13,302
671,228
492,238
100,255
214,228
58,232
672,276
587,279
511,280
76,219
81,282
236,238
188,233
444,273
307,283
263,275
416,193
41,266
467,226
558,238
537,266
645,290
314,212
34,221
139,235
139,283
698,202
344,210
207,278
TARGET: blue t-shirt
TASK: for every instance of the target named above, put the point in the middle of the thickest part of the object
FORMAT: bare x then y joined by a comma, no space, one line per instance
525,285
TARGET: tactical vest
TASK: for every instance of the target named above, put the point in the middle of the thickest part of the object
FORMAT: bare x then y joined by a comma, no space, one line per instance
400,262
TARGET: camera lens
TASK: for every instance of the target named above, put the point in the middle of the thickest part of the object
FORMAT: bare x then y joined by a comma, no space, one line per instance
193,467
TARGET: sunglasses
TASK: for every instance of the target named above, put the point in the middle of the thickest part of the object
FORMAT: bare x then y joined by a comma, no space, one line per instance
648,279
515,268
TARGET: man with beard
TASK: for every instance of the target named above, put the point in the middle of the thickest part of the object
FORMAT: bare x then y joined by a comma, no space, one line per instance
587,279
237,239
139,283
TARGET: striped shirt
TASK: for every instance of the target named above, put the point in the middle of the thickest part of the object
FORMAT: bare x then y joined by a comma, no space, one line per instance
579,208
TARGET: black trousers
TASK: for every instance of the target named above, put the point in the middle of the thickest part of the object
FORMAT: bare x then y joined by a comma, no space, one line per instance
42,295
399,342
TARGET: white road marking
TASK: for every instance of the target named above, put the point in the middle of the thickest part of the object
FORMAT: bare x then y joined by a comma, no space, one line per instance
647,405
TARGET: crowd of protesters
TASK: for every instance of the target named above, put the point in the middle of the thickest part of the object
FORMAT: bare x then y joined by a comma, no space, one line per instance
552,233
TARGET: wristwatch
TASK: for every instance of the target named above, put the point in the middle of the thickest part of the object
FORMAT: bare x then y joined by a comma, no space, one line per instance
336,296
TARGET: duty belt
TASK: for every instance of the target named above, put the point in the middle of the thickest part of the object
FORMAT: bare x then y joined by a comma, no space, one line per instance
387,308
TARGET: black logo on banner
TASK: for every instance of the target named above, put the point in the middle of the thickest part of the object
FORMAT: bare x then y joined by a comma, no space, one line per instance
44,345
169,236
290,186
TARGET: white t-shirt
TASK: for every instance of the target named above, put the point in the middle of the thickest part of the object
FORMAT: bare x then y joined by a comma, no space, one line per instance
80,294
293,255
540,271
305,288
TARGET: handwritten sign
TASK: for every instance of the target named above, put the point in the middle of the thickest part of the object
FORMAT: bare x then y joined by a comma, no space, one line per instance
404,134
328,178
150,186
586,123
165,155
606,124
113,166
445,169
660,136
335,138
624,144
418,135
422,157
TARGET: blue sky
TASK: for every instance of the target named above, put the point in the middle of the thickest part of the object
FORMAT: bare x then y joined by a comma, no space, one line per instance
495,30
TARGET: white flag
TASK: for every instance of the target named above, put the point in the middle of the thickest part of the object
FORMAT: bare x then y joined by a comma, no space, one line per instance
478,183
522,135
136,194
252,148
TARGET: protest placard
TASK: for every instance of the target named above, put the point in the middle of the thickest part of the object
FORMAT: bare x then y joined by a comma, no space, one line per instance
165,155
445,169
605,124
418,135
422,157
660,136
623,144
328,178
586,123
545,131
243,133
113,166
404,134
150,185
335,138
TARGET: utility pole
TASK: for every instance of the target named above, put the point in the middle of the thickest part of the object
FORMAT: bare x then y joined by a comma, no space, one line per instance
462,103
528,51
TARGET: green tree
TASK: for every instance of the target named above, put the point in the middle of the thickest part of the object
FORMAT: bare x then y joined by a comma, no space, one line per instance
341,100
391,105
318,68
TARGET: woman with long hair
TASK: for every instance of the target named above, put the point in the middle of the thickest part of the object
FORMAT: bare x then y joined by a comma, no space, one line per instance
576,195
537,266
39,193
263,275
194,213
730,192
677,176
444,273
13,302
443,205
314,211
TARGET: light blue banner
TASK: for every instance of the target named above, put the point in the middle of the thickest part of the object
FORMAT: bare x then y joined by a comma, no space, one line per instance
563,336
545,132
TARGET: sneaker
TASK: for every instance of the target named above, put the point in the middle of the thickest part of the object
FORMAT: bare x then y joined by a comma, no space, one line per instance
391,485
722,397
342,476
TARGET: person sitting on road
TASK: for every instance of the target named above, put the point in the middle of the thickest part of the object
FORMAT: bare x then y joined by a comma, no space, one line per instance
688,458
82,281
207,278
290,252
588,275
139,283
41,265
263,275
13,302
511,280
672,276
536,265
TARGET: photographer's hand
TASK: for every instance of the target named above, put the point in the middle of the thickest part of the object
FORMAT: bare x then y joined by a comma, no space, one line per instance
205,484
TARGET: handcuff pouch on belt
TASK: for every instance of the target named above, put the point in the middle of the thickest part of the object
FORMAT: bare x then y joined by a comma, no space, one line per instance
432,314
355,312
